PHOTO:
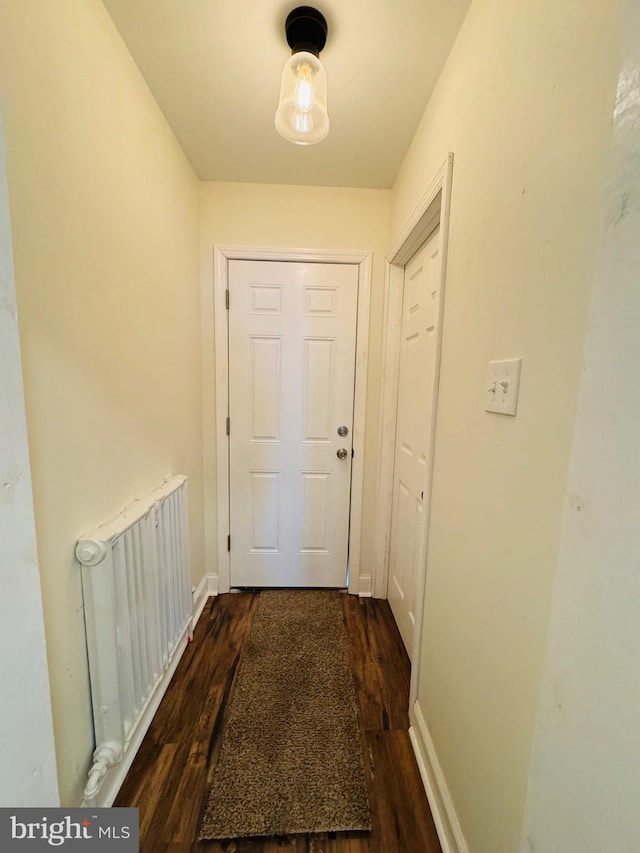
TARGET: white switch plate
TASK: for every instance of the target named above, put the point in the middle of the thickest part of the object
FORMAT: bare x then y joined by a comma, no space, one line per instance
503,384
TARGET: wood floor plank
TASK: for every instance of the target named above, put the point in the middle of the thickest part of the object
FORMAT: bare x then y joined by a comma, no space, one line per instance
286,844
366,675
381,667
392,661
151,787
343,842
149,764
224,625
400,808
171,774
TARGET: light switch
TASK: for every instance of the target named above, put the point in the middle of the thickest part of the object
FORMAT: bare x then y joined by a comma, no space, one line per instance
503,384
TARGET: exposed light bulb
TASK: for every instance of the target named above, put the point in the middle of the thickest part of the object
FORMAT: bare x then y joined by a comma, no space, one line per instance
302,112
303,96
302,122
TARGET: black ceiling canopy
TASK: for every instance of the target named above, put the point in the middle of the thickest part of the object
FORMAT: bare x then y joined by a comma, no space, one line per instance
306,29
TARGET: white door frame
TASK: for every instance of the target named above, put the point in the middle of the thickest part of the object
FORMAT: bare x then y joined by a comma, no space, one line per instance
221,256
432,209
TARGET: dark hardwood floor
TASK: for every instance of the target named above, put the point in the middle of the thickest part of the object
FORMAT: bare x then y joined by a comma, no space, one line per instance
169,778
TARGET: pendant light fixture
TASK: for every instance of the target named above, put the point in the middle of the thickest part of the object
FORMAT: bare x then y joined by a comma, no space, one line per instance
302,116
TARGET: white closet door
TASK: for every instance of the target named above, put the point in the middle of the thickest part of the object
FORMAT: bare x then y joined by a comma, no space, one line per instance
416,401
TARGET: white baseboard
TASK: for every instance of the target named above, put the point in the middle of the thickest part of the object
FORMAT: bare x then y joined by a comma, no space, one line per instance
199,597
207,587
365,586
212,581
444,814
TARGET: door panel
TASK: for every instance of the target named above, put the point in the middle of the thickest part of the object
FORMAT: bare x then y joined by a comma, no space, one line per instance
291,385
317,504
416,386
265,505
318,383
265,391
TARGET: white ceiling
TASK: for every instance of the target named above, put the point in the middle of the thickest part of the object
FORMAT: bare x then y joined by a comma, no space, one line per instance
214,66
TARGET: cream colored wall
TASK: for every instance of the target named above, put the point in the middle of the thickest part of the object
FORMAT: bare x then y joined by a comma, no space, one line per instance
263,215
28,774
104,209
585,774
525,102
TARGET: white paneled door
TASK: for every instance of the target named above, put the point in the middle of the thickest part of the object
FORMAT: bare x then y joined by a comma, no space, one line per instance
292,344
415,424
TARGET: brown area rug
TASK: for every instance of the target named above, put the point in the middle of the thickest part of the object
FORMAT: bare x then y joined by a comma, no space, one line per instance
290,759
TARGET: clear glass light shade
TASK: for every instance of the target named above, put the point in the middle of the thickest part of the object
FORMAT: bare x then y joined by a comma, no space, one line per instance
302,116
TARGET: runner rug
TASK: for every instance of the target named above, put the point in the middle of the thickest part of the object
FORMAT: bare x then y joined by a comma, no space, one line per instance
290,759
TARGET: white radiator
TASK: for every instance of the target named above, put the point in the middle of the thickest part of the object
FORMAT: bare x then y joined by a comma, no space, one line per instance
138,617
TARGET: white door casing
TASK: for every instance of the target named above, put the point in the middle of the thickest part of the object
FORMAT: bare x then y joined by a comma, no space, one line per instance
432,209
416,400
360,580
291,387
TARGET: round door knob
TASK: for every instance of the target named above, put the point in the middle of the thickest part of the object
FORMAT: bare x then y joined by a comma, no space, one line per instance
342,453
